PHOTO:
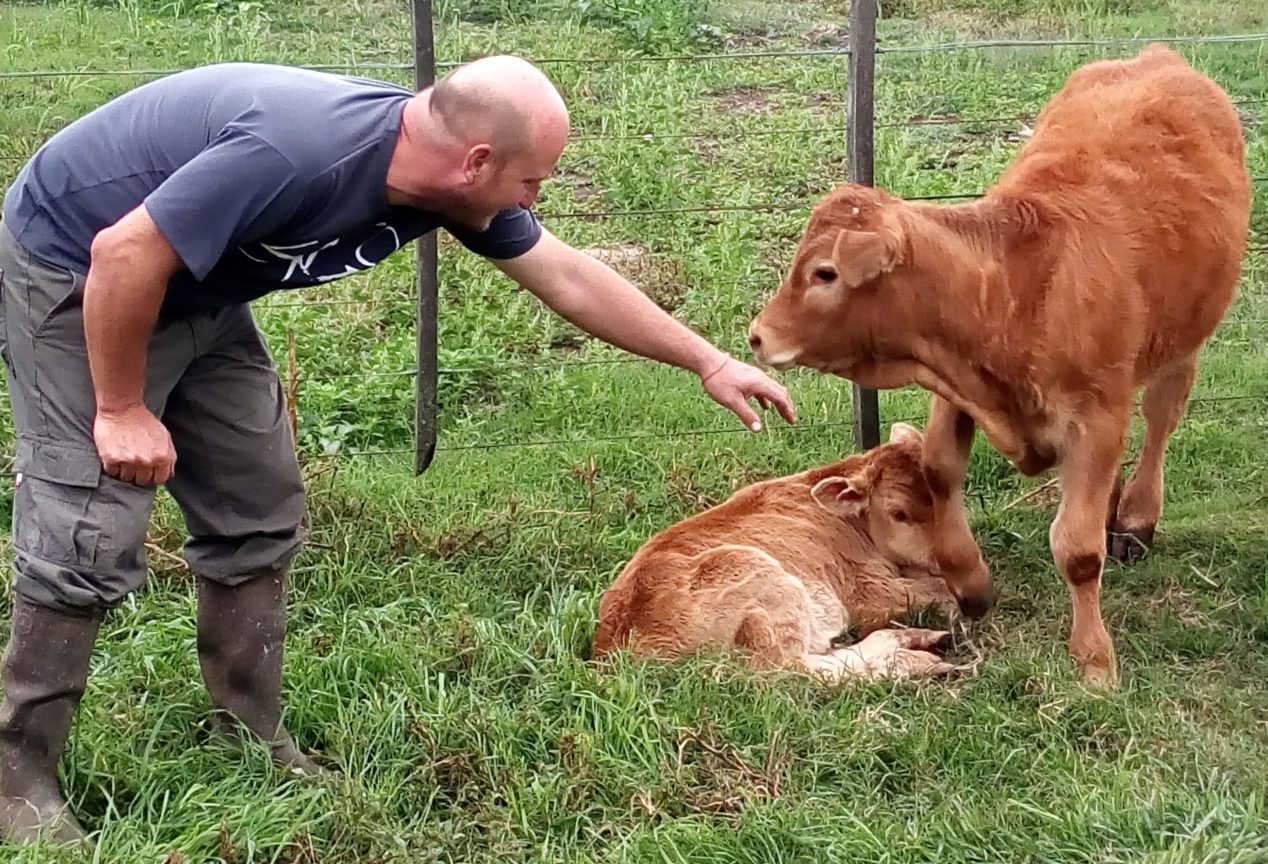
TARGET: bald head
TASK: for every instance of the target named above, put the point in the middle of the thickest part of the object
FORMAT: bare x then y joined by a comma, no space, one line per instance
482,139
502,101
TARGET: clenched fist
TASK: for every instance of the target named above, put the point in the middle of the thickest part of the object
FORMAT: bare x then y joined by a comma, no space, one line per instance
134,446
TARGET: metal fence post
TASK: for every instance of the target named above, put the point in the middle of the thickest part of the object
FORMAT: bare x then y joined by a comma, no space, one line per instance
425,322
860,120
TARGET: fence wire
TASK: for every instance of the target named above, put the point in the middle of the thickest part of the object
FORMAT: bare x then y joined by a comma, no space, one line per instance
739,136
1198,402
728,56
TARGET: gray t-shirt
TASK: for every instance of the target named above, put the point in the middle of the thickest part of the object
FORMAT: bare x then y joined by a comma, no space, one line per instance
261,177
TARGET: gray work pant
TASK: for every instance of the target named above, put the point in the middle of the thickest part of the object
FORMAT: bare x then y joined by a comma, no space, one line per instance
79,534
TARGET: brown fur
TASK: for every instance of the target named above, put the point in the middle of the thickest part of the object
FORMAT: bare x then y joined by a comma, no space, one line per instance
783,566
1100,263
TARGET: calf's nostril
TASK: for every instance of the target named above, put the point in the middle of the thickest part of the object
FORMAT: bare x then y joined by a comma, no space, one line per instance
754,341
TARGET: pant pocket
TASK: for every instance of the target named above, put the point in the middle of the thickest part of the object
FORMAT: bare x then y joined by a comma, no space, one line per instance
53,514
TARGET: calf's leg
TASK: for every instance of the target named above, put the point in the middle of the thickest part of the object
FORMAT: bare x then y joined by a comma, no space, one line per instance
779,627
1111,513
948,442
743,595
1077,538
910,653
880,598
1140,507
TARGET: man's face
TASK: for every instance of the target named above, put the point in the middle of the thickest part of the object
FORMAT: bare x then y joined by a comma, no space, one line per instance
492,185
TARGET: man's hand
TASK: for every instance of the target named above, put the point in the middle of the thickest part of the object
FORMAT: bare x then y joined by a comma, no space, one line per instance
134,446
733,383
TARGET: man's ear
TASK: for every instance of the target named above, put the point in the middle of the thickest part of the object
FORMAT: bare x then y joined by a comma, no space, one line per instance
478,161
847,497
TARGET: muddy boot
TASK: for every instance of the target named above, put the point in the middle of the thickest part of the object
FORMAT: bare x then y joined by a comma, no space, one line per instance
241,631
44,675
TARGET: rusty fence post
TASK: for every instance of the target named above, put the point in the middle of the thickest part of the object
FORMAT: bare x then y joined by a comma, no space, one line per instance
425,380
860,122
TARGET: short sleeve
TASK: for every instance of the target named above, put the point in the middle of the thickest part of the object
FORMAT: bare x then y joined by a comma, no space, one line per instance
512,232
238,189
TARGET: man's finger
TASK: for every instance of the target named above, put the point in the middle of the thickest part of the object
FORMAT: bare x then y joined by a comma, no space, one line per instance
786,410
747,414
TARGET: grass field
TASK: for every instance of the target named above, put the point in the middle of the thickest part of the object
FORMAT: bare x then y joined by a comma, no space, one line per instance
441,624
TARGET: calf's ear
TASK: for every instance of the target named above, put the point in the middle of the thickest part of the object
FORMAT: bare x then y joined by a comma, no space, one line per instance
905,433
861,256
847,497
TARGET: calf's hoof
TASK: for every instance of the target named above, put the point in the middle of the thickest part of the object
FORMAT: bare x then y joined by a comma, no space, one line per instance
1097,665
1098,676
897,654
1129,545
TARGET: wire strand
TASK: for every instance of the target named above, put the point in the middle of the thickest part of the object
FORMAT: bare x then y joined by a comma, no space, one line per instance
929,48
689,433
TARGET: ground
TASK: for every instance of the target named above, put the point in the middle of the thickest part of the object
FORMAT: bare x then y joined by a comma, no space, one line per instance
440,627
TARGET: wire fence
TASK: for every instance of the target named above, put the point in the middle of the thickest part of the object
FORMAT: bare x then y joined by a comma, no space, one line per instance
424,9
1197,403
858,121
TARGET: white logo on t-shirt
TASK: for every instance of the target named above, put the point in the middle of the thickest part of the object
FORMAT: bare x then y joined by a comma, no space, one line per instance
319,261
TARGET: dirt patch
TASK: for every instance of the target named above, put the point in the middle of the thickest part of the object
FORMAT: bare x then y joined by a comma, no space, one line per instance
986,24
745,99
682,485
1047,496
717,778
756,24
828,102
585,191
579,182
657,276
723,780
967,142
748,41
825,36
1042,493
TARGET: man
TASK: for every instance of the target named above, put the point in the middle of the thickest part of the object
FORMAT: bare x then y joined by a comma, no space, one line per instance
129,247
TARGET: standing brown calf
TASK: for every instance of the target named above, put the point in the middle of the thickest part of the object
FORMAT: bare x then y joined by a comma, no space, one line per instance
783,566
1101,262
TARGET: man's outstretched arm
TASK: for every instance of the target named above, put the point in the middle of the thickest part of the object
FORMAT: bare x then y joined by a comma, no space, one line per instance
597,299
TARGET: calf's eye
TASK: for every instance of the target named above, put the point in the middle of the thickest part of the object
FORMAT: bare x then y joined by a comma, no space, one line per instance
825,274
898,516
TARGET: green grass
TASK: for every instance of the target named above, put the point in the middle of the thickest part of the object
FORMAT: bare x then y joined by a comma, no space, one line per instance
439,636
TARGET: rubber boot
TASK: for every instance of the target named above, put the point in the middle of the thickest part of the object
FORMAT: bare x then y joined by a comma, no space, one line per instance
45,670
241,631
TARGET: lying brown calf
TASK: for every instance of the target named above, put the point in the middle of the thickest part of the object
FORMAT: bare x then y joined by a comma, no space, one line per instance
782,567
